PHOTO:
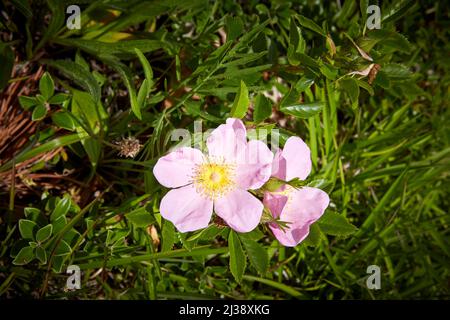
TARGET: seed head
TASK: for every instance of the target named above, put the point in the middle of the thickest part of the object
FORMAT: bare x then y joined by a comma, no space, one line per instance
129,147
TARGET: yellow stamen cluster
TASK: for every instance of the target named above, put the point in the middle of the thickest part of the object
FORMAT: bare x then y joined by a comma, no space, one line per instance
213,180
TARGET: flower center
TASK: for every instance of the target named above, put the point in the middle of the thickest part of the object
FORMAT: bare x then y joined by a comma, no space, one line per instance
214,180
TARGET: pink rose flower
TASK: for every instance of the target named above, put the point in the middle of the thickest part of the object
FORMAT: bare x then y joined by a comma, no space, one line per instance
218,181
299,207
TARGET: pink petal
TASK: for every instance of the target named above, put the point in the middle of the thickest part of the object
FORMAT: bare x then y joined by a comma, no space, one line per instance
227,140
238,126
175,169
240,210
279,165
275,203
255,165
293,162
186,209
304,207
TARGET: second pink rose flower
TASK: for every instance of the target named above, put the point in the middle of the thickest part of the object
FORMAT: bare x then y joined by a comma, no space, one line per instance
298,207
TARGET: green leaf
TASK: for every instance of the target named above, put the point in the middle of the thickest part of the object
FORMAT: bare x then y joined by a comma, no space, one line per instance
63,120
238,261
365,86
90,225
18,245
27,228
147,68
322,184
189,245
241,102
296,43
209,233
351,87
58,224
363,4
27,102
239,73
61,208
58,99
263,108
88,112
121,49
81,61
77,74
93,116
396,71
248,37
33,244
39,112
397,10
388,38
194,108
249,57
311,25
411,90
305,110
221,53
6,65
382,80
41,255
313,238
304,83
233,27
291,98
93,149
116,236
109,237
178,67
168,236
46,86
328,70
24,256
127,78
335,224
32,213
254,235
347,11
309,62
71,236
62,249
143,93
40,99
400,44
257,255
140,217
44,233
57,264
